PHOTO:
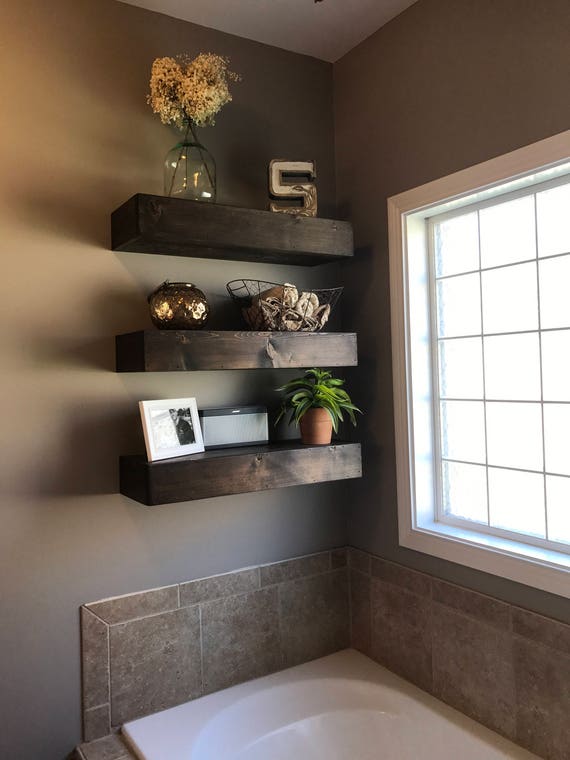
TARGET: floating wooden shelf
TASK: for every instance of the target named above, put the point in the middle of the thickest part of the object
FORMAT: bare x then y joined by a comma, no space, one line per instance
180,350
222,472
177,227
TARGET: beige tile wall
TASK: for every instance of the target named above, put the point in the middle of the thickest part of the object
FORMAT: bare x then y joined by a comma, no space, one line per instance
503,666
151,650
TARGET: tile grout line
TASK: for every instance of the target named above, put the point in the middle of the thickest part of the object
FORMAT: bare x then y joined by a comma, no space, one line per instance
350,607
217,598
302,577
223,596
370,616
205,578
258,569
405,589
274,564
466,589
201,650
431,637
97,707
526,611
109,716
350,568
367,573
472,617
542,645
359,571
178,586
279,626
150,615
514,674
95,615
119,597
84,709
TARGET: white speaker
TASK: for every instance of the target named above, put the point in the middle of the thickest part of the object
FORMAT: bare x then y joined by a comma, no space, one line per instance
234,426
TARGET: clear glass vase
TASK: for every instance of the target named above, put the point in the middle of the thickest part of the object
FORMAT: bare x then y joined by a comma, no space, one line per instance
190,171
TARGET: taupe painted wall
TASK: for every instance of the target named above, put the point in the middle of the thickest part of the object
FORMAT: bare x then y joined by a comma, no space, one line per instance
445,85
76,140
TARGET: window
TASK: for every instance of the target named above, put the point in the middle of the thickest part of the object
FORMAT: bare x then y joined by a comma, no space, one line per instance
480,281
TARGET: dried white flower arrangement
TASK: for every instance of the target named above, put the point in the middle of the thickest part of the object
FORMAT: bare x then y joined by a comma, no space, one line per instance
186,91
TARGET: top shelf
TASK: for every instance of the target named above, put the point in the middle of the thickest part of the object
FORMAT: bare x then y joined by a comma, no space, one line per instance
177,227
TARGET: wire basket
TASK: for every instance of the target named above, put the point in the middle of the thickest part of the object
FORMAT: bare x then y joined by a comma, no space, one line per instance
269,306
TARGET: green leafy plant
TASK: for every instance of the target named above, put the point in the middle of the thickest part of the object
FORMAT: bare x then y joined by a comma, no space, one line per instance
316,389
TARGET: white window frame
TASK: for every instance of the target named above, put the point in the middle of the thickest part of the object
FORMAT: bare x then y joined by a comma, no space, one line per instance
408,212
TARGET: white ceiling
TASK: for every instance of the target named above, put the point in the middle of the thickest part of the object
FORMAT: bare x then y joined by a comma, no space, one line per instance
325,30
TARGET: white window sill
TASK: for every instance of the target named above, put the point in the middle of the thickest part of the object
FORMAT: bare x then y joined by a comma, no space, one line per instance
531,565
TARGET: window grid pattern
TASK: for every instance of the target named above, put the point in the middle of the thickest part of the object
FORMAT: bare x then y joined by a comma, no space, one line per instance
501,322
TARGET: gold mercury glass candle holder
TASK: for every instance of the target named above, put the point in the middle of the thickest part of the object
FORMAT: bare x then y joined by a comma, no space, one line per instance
178,306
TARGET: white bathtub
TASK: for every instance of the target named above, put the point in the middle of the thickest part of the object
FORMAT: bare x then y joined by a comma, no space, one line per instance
341,707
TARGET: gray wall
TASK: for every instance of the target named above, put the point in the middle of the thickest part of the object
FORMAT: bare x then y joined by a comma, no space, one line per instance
443,86
77,139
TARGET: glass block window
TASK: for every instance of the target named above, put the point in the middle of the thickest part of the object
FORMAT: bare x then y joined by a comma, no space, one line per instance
500,293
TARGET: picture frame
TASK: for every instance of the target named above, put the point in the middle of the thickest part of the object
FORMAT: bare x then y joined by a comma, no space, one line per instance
171,428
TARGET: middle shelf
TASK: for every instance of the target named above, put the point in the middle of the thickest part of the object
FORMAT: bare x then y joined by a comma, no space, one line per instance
185,350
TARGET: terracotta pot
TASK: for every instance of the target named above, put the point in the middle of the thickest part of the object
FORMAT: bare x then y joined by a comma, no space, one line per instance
316,426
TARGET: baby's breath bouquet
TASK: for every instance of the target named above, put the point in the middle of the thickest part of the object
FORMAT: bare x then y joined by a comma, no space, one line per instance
188,93
186,90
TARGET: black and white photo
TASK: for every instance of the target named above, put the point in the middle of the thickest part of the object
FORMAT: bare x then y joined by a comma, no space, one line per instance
171,428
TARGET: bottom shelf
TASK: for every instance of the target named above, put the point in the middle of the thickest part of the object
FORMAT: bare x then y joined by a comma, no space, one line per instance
221,472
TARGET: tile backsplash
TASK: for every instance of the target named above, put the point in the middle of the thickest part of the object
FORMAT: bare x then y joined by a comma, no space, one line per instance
155,649
501,665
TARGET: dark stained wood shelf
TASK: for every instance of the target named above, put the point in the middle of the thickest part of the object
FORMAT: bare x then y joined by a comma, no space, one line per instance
178,227
222,472
180,350
172,226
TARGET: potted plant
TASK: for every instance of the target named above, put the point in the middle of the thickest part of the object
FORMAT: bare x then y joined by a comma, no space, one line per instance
316,403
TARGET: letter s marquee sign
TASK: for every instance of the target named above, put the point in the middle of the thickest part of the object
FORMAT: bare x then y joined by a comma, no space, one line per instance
293,180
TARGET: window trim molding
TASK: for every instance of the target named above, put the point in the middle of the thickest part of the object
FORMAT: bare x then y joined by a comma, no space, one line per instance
531,566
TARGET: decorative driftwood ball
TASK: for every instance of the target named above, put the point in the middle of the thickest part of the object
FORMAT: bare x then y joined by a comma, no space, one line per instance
268,306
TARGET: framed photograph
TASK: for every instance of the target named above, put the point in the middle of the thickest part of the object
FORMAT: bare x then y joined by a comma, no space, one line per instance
171,428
